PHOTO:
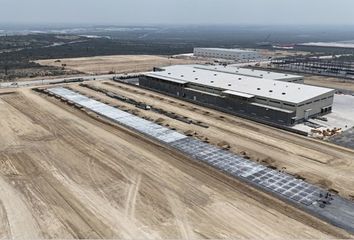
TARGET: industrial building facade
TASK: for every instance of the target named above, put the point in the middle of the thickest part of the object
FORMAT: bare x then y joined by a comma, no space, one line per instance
228,54
268,100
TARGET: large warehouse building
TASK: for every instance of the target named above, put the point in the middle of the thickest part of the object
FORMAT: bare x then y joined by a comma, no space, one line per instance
228,54
267,100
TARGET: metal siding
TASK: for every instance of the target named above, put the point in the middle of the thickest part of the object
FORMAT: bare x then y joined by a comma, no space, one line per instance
232,105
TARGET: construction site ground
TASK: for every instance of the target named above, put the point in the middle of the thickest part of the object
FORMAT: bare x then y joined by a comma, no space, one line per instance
346,139
316,161
116,63
68,174
341,117
330,82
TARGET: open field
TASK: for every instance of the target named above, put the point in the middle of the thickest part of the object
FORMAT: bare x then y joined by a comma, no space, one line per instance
116,63
319,162
64,174
330,82
280,53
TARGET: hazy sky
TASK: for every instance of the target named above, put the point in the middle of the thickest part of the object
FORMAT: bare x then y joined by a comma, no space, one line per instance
178,11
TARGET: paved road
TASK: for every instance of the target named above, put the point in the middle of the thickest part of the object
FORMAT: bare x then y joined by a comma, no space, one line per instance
53,81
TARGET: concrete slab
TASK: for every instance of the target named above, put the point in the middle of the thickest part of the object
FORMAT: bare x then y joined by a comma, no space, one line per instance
341,117
346,139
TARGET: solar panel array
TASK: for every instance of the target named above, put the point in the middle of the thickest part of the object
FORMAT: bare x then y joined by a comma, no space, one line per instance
129,120
274,181
277,182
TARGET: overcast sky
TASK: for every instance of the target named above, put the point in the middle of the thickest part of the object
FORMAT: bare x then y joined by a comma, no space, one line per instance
122,12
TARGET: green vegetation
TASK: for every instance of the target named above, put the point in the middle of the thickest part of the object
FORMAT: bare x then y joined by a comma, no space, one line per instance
16,58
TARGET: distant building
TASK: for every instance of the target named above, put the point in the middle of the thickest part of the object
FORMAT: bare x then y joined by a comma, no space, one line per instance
268,100
328,47
227,54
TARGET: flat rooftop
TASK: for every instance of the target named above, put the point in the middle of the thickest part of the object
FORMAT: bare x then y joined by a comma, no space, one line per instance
227,49
251,72
283,91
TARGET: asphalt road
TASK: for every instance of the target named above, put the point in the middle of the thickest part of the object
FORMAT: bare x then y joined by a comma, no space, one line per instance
53,81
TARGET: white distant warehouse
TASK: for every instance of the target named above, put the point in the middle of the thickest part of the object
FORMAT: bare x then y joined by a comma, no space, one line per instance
229,54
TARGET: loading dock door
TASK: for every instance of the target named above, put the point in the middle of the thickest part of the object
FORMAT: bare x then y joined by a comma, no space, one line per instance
307,114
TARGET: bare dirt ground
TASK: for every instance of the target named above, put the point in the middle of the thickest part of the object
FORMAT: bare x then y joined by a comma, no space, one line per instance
116,63
63,174
280,53
330,82
318,162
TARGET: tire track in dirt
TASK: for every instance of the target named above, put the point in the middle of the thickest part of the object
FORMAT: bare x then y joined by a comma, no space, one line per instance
132,195
127,229
181,219
5,230
20,221
116,153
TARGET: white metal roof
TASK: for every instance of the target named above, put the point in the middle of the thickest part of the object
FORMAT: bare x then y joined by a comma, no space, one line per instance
239,94
252,72
277,90
330,44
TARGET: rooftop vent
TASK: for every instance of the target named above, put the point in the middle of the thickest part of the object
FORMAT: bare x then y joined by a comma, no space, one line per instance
182,75
270,90
261,75
212,81
258,88
196,78
169,73
284,93
215,74
193,70
229,84
239,78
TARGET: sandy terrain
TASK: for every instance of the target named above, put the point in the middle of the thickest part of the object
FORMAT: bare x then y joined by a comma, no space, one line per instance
64,174
116,63
330,82
280,53
319,162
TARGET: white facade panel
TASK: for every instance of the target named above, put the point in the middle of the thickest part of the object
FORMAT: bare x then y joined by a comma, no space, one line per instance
229,54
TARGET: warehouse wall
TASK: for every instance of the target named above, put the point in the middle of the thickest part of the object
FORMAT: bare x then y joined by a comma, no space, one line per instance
240,107
315,105
226,54
163,86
